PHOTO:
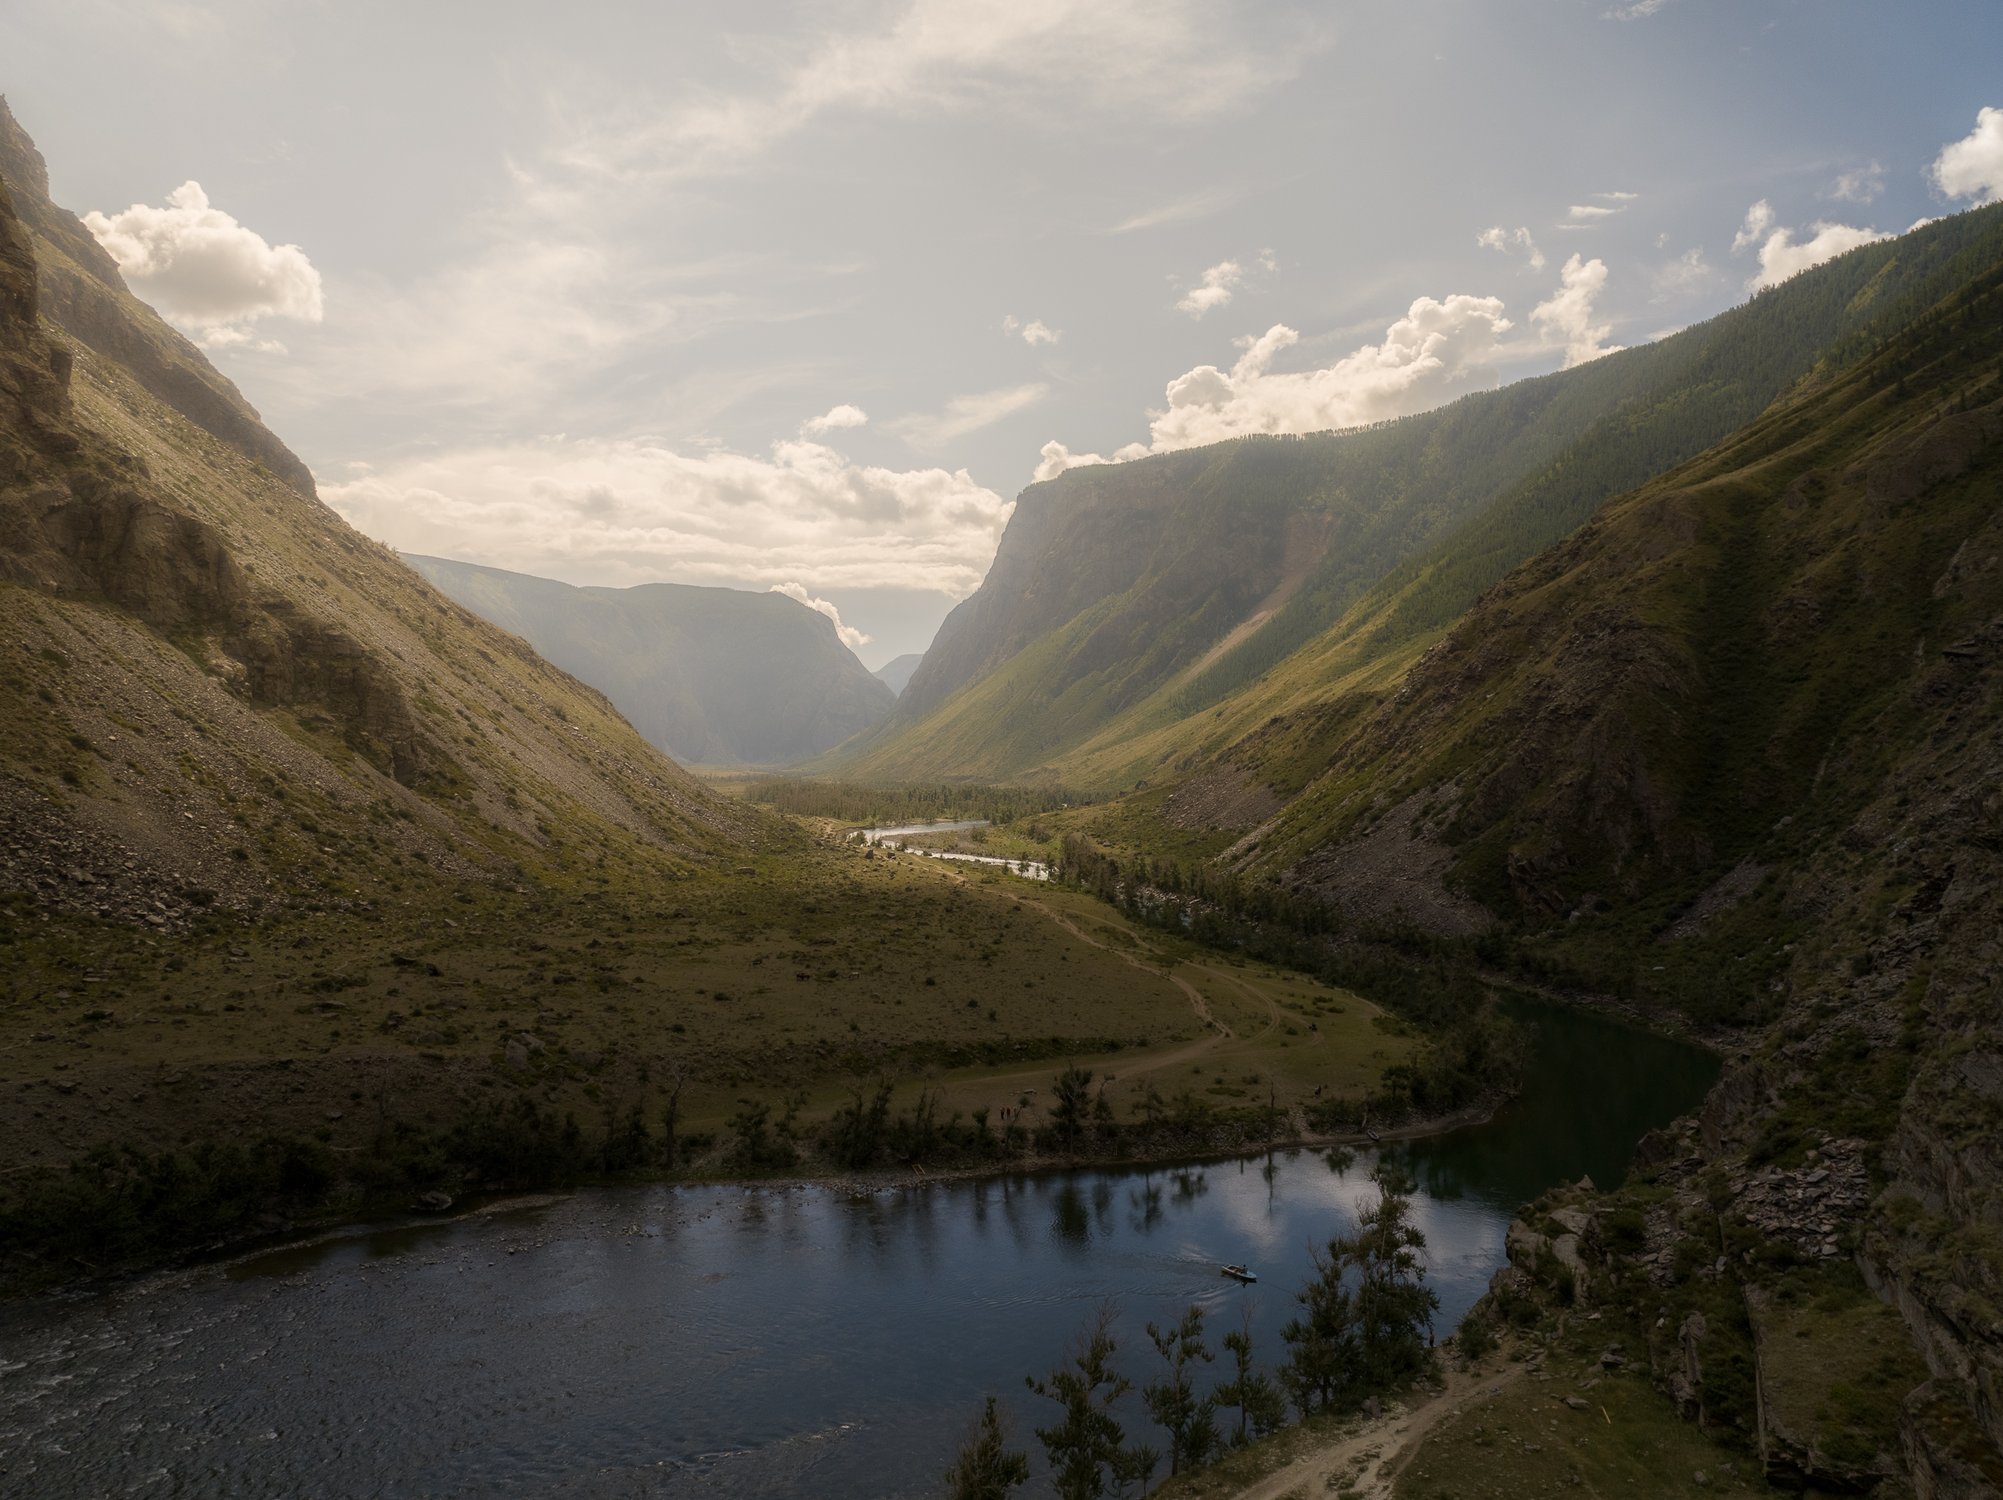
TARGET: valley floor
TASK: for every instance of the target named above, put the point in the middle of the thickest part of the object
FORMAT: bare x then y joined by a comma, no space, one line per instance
793,985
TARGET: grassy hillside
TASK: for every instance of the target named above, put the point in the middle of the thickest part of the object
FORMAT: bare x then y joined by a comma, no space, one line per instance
712,676
1137,613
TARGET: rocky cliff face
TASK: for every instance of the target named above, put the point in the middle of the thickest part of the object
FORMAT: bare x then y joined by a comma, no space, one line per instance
208,671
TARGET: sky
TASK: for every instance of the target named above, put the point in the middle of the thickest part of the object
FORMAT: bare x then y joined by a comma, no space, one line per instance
801,296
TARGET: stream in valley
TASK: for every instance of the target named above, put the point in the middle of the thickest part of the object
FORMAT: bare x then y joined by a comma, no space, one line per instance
897,838
741,1341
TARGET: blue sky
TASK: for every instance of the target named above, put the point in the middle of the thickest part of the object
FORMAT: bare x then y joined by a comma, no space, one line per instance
805,294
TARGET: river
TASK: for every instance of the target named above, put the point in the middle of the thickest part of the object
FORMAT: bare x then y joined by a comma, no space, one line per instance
725,1341
892,838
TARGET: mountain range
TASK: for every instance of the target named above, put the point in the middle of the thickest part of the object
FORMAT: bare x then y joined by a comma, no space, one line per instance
1137,613
712,676
896,672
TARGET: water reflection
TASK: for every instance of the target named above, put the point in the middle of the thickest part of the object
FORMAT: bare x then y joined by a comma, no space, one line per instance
682,1342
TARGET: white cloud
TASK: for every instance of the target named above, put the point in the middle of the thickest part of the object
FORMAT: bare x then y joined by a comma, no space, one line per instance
965,414
1219,284
229,336
1759,220
1498,238
1056,458
1589,213
836,417
1972,167
1170,59
630,511
1437,350
1034,332
1567,317
1782,255
850,636
1859,184
207,272
1637,10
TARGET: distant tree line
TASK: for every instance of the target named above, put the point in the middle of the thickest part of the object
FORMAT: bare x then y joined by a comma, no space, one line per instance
1364,1329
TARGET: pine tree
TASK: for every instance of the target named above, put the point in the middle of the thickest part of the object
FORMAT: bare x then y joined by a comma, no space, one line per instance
985,1469
1173,1402
1261,1406
1087,1448
1367,1315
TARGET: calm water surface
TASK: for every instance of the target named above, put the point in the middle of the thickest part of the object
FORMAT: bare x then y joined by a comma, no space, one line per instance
738,1342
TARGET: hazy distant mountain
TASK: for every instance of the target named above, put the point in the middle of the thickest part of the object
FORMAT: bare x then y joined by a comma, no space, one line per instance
897,671
713,676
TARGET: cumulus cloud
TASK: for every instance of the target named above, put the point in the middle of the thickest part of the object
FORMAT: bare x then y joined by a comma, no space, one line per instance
850,636
1219,284
1859,184
1759,220
1972,167
965,414
205,271
835,417
1568,317
1781,255
1498,238
1437,350
1440,349
1055,458
632,510
1590,213
1034,332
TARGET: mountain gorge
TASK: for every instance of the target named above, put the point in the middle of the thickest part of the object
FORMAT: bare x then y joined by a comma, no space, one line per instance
1668,686
712,676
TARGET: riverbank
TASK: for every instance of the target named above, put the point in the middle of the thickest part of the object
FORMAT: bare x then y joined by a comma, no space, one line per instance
396,1211
737,1340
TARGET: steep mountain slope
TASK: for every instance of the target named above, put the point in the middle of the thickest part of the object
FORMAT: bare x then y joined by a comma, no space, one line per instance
713,676
1733,751
1130,605
895,674
1734,644
216,692
82,292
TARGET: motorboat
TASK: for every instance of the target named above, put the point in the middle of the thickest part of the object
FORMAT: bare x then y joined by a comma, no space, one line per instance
1238,1273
